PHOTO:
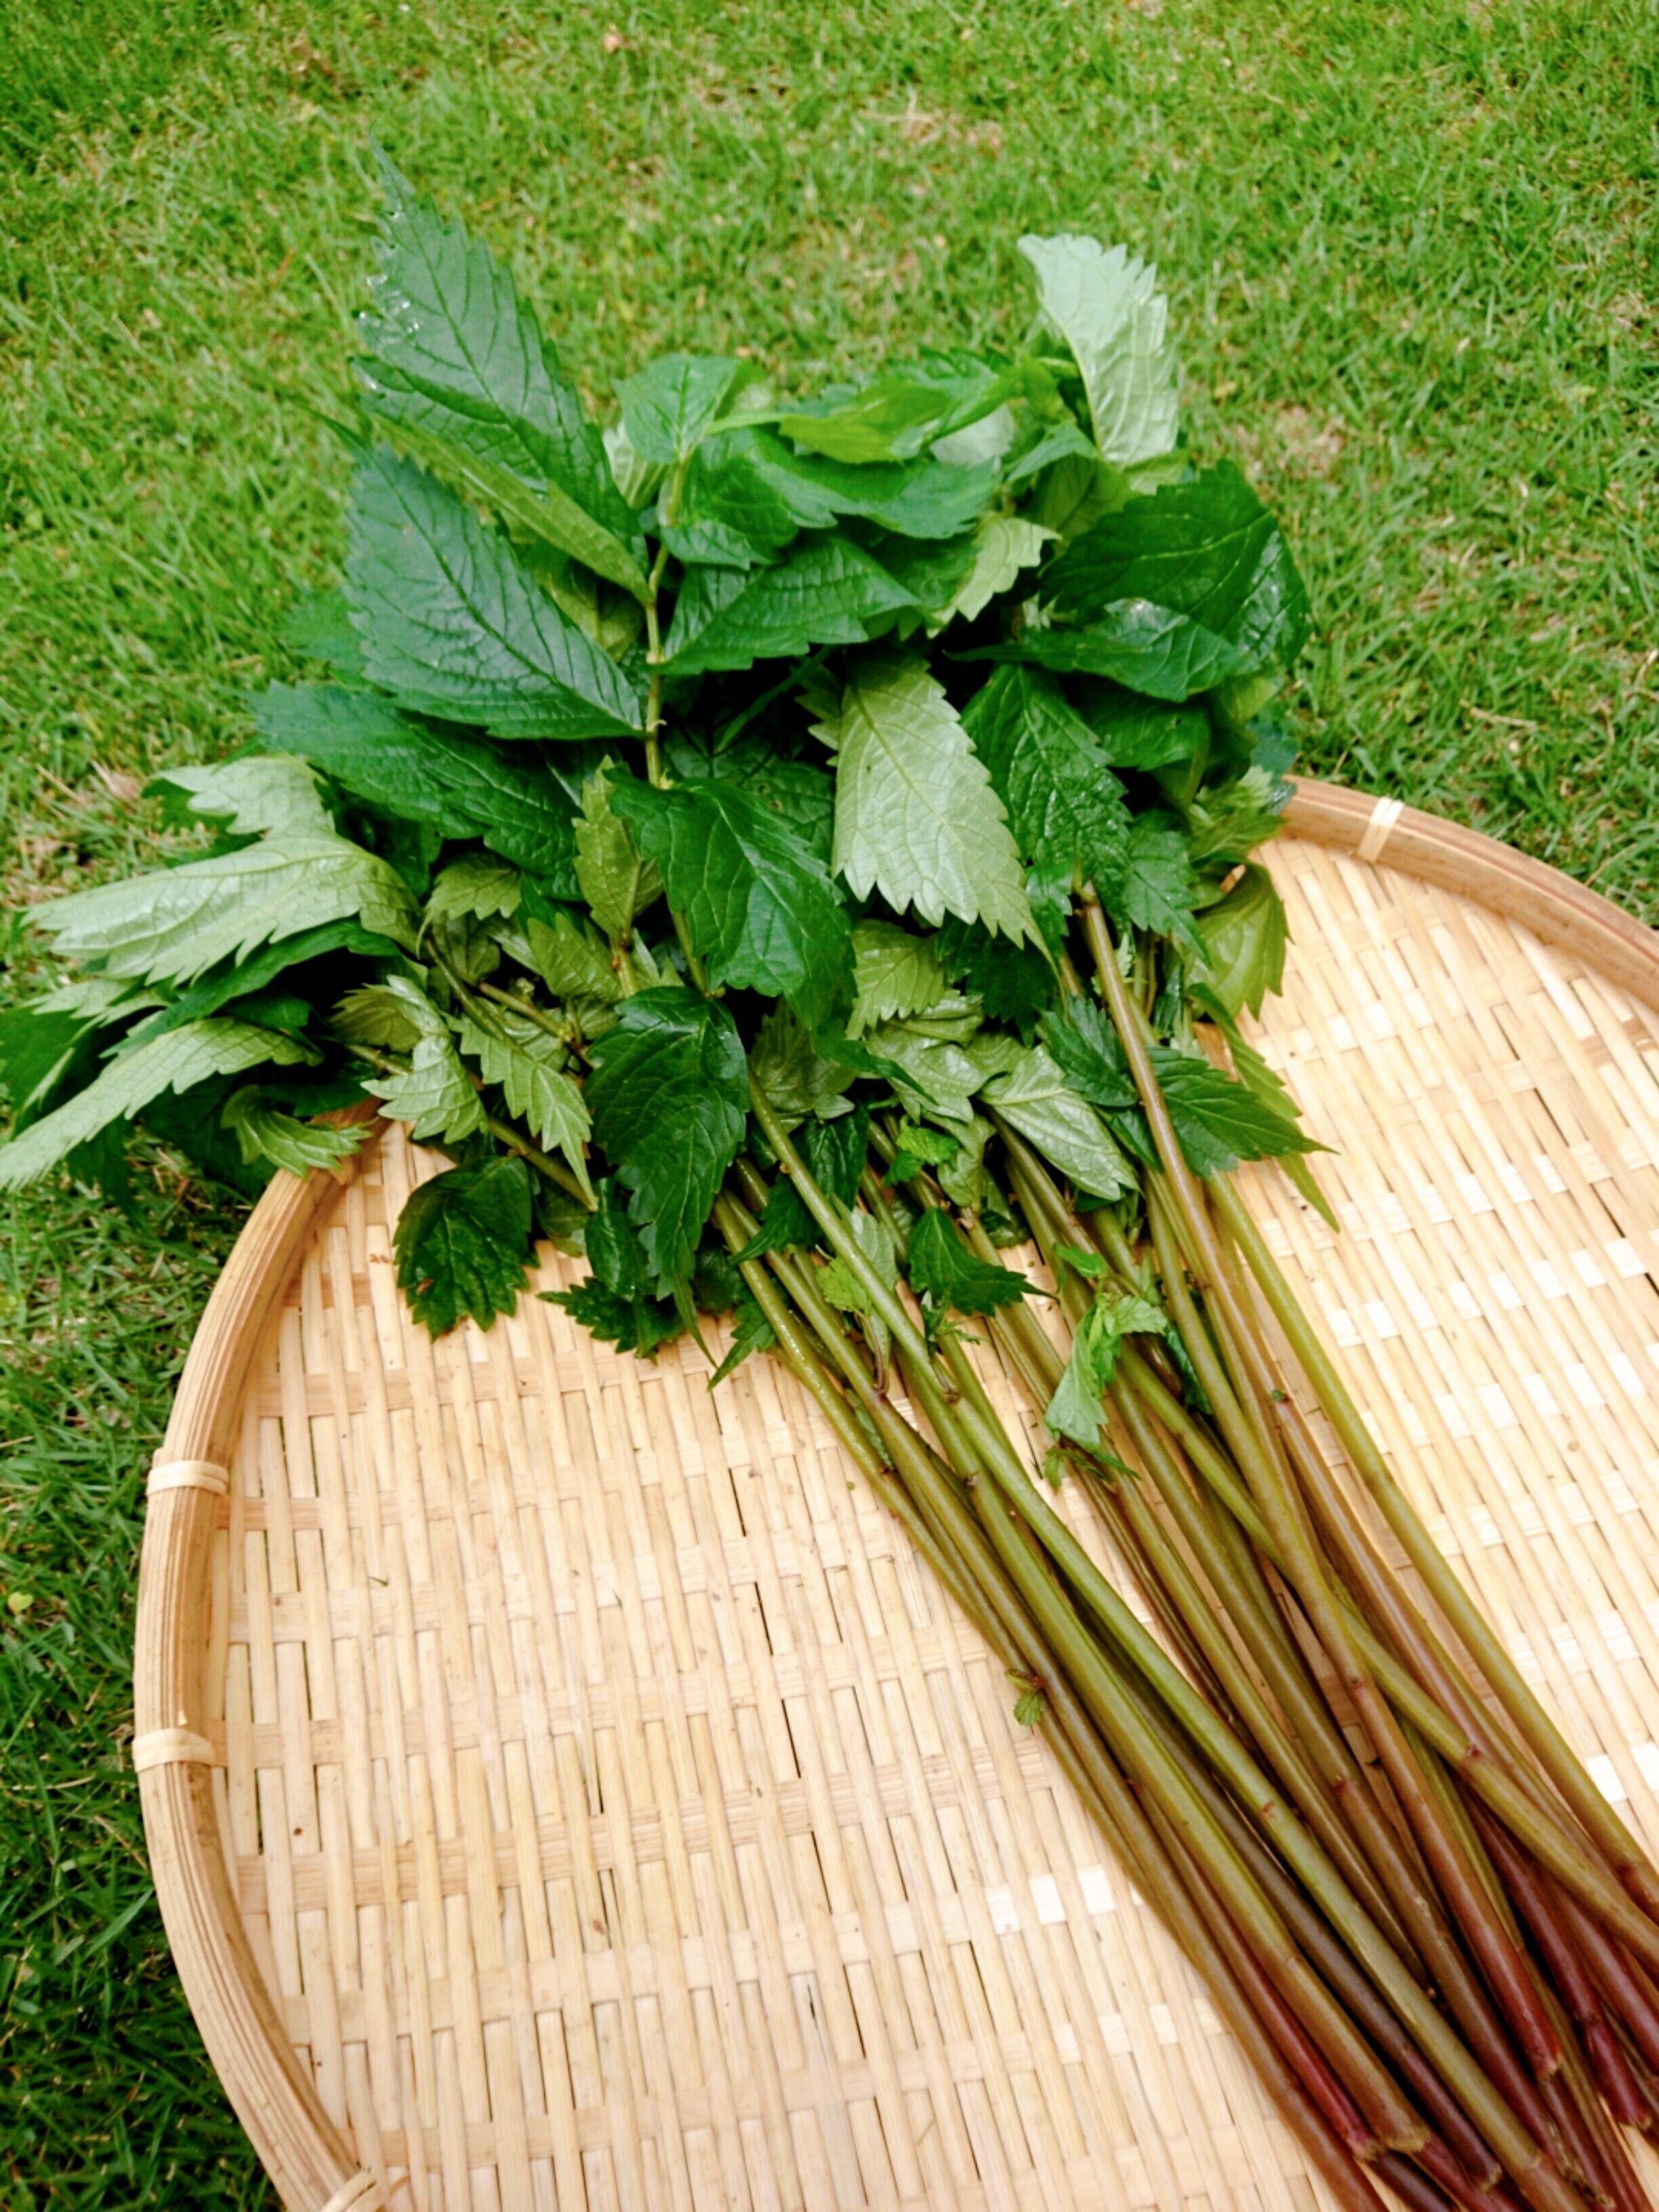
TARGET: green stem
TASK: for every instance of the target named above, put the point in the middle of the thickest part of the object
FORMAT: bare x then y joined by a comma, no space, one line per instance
1539,1732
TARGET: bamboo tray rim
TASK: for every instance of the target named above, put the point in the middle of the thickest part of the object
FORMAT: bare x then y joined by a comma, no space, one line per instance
259,2071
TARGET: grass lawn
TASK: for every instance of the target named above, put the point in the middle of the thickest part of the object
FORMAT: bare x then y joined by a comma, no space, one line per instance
1411,255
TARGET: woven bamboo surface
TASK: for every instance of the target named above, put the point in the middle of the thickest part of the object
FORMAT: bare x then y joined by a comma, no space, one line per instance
566,1790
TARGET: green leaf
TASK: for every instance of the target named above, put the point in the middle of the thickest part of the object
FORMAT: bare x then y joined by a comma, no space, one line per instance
1218,1122
174,926
905,408
666,408
454,624
922,498
1003,545
799,794
942,1268
528,1062
1206,550
259,794
1065,807
476,888
752,1333
1229,820
1157,889
462,1244
729,515
459,786
915,814
1074,1411
1035,1099
1149,648
126,1085
640,1325
1245,937
933,1076
616,881
433,1094
395,1013
894,974
266,1132
319,627
829,591
457,357
1135,733
795,1077
1107,307
759,906
1013,982
920,1148
669,1096
571,960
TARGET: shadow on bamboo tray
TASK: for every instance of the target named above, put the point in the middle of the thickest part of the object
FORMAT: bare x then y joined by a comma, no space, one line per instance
564,1787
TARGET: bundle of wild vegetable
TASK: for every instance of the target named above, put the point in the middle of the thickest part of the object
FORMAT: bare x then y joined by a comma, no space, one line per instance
798,851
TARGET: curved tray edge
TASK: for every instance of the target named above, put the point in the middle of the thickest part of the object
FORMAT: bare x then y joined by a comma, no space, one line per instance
308,2161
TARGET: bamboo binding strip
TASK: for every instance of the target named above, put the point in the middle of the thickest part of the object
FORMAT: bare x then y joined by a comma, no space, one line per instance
605,1809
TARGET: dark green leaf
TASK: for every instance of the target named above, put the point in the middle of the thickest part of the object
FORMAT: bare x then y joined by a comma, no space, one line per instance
462,1244
669,1096
1134,732
264,1132
617,882
905,408
798,1073
729,515
456,355
454,624
1207,551
752,1333
942,1268
830,591
760,907
640,1325
319,627
1013,982
922,498
1159,888
797,793
1065,807
1147,647
834,1154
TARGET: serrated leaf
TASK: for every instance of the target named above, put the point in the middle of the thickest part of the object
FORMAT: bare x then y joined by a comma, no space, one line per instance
669,1096
1106,305
1245,937
1136,733
933,1076
829,591
796,1078
462,1244
460,787
239,985
751,1332
571,960
457,356
1074,1411
395,1013
175,1062
528,1062
319,627
453,623
1158,888
920,498
1003,545
615,879
1013,982
1205,550
640,1325
915,815
905,408
433,1094
1149,648
1228,820
895,975
1065,806
666,408
261,793
266,1132
759,906
798,793
729,515
174,926
942,1268
1035,1099
476,887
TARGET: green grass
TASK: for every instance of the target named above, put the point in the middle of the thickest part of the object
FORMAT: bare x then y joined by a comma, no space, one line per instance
1412,257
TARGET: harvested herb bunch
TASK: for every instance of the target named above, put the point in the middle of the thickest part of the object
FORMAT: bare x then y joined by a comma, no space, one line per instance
798,853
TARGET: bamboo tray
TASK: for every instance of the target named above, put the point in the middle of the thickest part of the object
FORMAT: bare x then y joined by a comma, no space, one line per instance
565,1790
